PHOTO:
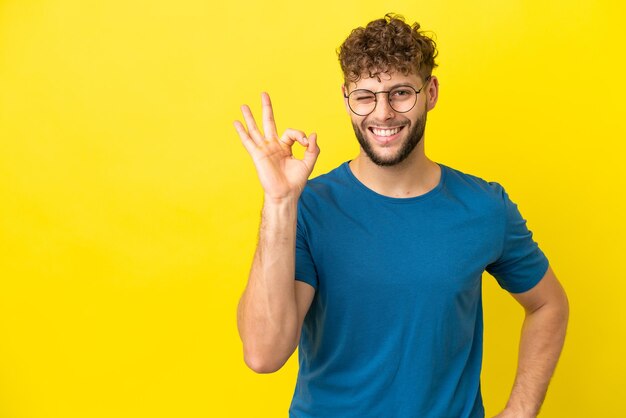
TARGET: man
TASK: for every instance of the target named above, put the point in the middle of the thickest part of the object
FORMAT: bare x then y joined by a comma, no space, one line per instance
387,253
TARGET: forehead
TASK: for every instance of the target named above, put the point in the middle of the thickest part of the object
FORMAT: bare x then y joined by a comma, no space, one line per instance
383,81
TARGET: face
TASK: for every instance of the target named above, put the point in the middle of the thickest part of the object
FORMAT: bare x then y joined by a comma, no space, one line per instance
388,137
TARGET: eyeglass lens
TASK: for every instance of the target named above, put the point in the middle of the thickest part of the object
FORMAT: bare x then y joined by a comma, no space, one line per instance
363,102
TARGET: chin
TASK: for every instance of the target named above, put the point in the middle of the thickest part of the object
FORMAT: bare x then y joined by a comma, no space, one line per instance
403,148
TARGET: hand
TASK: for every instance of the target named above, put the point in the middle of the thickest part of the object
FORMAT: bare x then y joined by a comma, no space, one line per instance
281,174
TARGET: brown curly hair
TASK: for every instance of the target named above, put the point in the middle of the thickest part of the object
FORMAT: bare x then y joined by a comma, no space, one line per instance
386,45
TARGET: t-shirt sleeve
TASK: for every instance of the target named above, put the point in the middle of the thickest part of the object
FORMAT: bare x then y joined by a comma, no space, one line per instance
305,268
521,264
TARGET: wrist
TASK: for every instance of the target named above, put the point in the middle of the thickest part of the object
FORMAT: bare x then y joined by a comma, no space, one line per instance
282,201
518,412
283,211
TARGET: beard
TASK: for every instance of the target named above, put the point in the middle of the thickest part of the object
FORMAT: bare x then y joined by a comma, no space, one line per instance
416,133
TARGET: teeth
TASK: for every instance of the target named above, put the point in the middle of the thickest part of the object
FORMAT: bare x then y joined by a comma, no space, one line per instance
385,132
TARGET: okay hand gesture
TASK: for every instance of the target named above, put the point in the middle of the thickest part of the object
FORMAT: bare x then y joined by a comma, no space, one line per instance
281,174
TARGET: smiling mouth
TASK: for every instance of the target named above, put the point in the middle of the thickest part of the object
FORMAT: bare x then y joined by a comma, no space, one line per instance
385,132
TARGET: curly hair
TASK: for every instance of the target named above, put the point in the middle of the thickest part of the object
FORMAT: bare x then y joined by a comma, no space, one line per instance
386,45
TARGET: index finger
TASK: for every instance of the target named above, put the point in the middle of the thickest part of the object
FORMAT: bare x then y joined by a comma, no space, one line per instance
269,124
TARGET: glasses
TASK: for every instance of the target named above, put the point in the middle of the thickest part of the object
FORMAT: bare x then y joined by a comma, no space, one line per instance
401,99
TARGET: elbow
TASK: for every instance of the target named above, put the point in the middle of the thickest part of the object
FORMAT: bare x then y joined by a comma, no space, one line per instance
263,364
563,308
266,351
559,310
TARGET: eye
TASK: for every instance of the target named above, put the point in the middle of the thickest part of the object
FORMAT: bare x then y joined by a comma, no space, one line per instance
401,93
362,96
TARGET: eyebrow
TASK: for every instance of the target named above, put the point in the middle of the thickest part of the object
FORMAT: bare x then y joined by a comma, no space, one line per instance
395,86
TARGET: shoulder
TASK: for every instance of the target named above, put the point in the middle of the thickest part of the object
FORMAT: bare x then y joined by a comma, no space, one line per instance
335,175
323,196
472,185
475,192
325,185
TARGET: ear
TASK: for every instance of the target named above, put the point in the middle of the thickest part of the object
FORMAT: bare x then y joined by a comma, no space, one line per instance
432,93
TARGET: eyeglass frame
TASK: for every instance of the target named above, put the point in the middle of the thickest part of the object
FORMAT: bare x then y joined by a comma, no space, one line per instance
347,96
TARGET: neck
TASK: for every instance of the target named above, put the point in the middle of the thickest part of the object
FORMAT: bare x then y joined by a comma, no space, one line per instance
414,176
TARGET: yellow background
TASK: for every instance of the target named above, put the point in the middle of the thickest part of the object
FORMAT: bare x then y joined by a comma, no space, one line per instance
129,209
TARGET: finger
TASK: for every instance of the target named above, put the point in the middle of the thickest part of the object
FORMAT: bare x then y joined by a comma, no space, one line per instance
292,135
269,124
253,130
312,151
247,142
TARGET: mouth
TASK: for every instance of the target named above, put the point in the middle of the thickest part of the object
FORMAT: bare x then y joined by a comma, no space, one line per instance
385,135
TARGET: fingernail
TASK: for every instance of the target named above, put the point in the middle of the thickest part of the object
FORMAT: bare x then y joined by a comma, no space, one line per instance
305,140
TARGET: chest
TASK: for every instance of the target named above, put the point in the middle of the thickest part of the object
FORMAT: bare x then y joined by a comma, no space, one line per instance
441,251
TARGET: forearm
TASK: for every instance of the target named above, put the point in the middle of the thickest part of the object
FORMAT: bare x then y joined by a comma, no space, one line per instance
543,335
267,312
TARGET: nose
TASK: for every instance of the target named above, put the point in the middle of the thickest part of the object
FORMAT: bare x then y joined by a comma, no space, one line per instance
383,109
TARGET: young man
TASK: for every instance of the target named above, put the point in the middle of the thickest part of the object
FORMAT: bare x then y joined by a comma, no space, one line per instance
387,253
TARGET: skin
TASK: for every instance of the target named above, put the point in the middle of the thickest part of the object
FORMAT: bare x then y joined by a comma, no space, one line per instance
414,129
412,176
273,306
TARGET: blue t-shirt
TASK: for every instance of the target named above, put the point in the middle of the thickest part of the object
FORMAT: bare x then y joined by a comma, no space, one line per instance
395,328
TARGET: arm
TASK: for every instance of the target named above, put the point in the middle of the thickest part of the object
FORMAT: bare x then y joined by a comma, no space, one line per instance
273,305
543,335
